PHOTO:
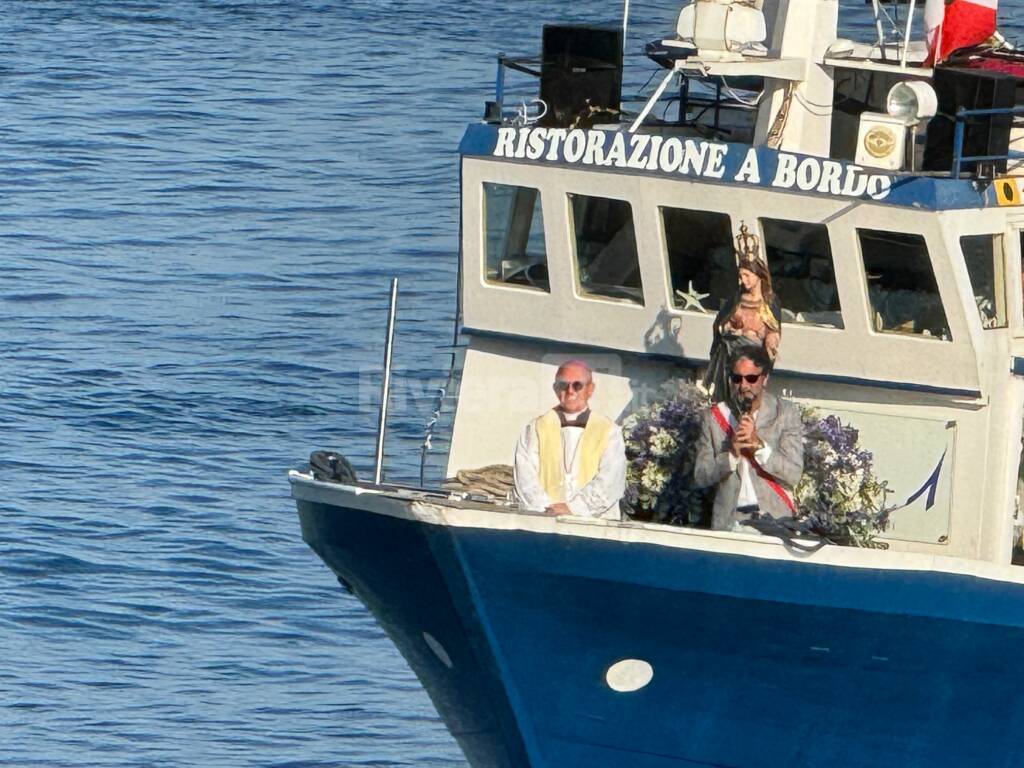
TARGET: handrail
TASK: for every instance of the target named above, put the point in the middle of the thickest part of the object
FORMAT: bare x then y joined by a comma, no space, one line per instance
495,110
517,65
962,116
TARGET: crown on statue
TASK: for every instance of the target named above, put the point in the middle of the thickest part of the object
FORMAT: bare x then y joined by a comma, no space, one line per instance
748,247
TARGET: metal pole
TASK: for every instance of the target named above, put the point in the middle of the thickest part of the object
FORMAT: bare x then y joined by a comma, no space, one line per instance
958,143
625,26
878,27
651,102
385,387
499,85
906,35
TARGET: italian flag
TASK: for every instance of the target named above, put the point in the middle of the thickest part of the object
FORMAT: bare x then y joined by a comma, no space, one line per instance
953,24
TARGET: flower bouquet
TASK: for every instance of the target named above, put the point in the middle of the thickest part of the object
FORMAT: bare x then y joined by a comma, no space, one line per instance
661,445
839,494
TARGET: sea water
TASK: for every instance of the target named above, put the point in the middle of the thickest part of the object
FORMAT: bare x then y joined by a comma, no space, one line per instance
201,205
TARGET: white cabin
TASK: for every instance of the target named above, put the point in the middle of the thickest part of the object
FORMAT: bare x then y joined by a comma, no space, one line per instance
901,290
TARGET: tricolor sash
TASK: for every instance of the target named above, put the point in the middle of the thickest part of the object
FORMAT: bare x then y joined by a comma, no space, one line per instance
764,474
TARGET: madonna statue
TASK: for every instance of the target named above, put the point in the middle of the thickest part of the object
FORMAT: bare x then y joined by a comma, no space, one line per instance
752,317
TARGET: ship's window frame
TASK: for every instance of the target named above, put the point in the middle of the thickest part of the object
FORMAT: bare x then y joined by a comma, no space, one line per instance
1017,545
675,304
534,284
1012,253
870,307
997,300
789,316
579,287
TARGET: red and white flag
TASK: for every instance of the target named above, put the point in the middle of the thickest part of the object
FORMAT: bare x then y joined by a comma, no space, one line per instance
953,24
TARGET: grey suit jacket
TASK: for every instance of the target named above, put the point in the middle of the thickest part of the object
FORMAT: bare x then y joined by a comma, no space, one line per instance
779,426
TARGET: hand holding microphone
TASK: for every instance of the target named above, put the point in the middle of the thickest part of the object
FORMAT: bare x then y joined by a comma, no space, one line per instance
745,439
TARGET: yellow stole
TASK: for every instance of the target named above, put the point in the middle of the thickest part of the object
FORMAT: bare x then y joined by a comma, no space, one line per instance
591,448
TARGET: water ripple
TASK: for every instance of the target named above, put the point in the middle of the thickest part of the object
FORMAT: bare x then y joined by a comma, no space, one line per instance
203,205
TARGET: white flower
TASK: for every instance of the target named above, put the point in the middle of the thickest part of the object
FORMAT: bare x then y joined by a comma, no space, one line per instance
849,485
662,443
653,478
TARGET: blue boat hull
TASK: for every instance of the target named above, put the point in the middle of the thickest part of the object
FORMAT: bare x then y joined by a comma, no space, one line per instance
757,662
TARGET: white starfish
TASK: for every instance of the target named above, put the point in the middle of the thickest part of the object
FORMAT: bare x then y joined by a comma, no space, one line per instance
692,299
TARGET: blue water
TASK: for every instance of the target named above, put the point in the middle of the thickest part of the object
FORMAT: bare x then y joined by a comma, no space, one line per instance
200,206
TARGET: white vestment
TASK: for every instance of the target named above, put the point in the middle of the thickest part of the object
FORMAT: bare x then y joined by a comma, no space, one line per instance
598,498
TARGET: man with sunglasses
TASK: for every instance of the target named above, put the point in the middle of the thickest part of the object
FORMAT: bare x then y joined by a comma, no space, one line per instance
751,447
570,460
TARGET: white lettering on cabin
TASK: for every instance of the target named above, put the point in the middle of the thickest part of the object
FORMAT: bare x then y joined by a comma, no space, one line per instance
652,158
831,173
524,134
575,145
506,142
808,173
690,157
749,170
557,136
855,183
715,167
595,148
785,173
617,154
693,160
535,143
638,142
878,187
671,155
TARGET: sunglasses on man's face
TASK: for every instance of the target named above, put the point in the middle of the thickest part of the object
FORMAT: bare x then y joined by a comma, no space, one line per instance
750,378
561,386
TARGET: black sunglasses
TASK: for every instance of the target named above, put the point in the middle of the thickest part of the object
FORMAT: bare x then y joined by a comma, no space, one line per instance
751,378
562,386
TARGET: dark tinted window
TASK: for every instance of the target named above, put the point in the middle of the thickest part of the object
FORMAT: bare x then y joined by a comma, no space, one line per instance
983,255
606,256
901,284
516,253
800,260
701,258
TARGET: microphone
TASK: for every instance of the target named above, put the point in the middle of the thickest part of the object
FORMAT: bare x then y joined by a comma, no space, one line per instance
745,405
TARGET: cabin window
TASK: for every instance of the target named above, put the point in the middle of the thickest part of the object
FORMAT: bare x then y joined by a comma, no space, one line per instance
516,254
901,284
606,255
1017,557
983,255
701,258
800,260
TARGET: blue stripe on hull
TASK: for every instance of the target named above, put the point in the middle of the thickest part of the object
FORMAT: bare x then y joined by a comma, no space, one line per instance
756,662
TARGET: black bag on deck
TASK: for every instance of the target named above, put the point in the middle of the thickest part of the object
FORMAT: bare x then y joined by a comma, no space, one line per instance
331,467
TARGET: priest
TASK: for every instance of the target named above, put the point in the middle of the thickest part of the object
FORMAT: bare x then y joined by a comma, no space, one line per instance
571,460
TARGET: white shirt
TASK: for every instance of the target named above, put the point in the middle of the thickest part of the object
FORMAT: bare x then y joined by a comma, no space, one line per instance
747,495
598,498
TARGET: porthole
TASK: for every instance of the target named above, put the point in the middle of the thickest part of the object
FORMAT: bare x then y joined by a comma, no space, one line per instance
435,645
629,675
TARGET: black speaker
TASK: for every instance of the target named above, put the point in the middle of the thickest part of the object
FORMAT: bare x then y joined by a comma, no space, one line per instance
983,135
581,75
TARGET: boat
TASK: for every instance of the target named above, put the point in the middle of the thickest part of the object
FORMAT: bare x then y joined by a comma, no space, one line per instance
886,191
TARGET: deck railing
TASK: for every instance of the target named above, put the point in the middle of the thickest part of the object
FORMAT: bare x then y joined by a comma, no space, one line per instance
962,117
